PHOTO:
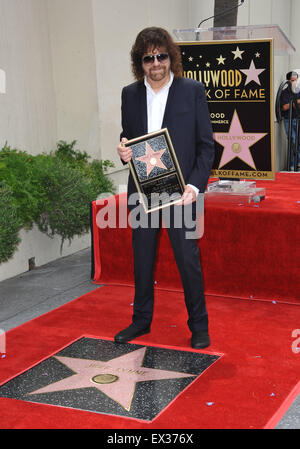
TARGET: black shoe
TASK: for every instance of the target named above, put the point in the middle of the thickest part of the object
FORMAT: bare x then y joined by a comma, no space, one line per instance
130,333
200,340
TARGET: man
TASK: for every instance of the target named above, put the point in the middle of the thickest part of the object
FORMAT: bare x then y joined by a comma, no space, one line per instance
285,99
162,98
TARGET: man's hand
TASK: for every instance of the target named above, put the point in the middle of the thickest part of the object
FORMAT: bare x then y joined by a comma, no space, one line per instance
125,153
188,196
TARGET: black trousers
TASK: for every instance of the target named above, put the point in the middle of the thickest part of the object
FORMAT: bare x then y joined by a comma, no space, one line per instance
186,252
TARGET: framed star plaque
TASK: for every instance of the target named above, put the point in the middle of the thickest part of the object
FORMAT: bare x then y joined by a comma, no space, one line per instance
155,170
238,79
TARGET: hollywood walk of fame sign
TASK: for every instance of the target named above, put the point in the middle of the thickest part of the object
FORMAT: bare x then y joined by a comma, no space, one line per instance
238,80
155,170
98,375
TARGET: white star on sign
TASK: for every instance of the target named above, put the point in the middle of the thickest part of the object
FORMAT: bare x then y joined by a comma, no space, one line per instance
238,53
221,60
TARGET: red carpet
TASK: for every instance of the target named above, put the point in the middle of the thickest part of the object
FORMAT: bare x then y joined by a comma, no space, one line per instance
251,260
249,251
246,388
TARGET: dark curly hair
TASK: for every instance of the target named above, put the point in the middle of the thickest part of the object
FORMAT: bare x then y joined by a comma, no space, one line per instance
154,37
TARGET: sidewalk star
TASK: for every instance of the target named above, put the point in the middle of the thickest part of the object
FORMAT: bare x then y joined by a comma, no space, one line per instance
116,378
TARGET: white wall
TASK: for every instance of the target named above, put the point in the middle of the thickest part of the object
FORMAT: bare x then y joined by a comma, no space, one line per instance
74,73
199,11
47,52
276,12
113,75
27,110
66,62
294,33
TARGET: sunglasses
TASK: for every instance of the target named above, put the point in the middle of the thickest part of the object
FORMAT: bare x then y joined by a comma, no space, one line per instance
162,57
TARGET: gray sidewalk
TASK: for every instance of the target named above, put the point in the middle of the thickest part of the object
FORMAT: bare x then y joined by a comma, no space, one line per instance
45,288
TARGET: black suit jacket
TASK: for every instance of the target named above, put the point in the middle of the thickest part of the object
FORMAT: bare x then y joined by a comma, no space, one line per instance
188,122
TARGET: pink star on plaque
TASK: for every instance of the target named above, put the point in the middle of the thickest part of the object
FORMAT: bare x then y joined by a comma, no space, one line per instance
116,378
252,73
152,159
236,143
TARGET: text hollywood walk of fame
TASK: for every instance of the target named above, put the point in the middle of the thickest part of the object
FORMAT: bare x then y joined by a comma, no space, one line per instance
225,81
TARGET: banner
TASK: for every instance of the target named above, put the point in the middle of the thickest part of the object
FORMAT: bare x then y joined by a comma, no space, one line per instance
238,80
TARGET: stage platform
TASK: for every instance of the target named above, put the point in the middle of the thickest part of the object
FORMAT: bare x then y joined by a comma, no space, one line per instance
248,251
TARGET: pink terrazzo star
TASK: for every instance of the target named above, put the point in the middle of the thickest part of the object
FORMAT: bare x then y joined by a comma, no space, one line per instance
116,378
236,143
152,159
